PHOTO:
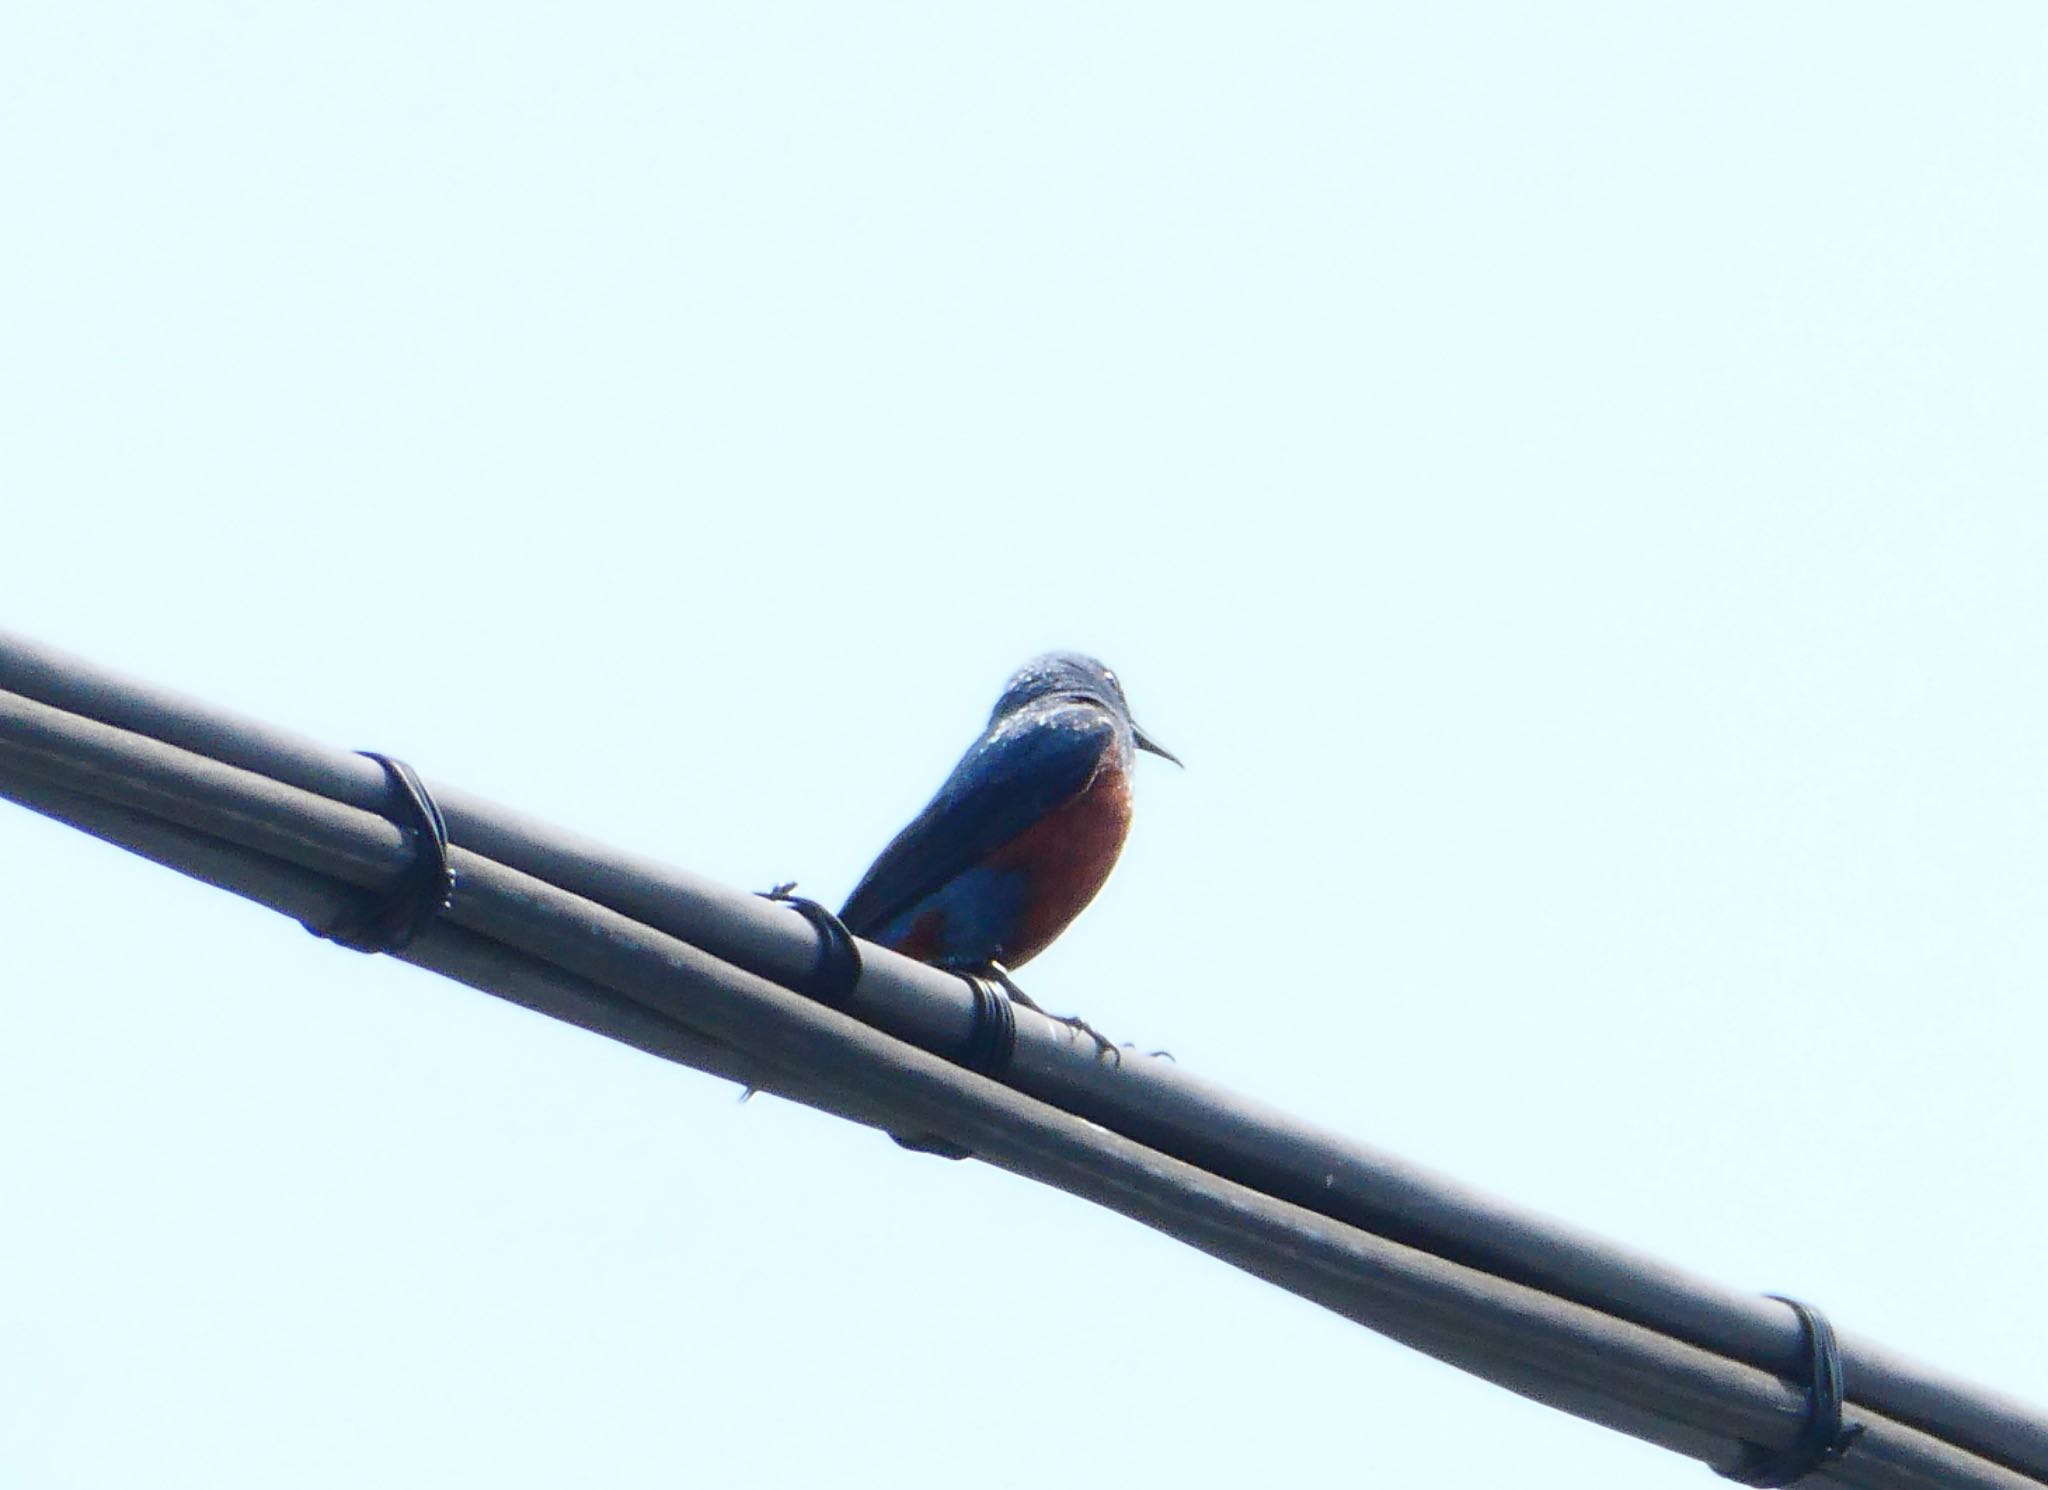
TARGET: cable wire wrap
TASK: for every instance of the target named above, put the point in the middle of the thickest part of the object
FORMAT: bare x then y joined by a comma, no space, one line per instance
389,921
1824,1439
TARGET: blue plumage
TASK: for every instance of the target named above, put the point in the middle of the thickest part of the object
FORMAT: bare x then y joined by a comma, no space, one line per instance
1024,831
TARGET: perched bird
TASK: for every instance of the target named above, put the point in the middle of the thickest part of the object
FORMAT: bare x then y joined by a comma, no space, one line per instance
1023,833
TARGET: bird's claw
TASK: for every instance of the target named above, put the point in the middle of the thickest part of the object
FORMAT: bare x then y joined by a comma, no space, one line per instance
1104,1046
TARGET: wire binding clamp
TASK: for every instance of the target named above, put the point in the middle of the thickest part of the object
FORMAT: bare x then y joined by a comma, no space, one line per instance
992,1038
388,920
1824,1437
991,1043
838,968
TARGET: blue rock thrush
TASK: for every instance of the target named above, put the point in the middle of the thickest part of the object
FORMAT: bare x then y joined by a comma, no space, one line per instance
1023,833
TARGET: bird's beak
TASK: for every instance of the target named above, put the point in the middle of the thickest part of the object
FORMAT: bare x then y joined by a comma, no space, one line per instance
1146,742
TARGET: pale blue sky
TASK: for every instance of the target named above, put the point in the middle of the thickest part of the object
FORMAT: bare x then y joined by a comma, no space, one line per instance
1570,481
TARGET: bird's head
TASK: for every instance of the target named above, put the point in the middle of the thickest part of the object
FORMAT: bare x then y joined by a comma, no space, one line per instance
1071,675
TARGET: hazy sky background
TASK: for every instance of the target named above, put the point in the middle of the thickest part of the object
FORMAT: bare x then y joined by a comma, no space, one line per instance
1570,481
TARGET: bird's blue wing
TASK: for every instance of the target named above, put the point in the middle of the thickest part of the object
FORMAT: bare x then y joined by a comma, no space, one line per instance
1012,777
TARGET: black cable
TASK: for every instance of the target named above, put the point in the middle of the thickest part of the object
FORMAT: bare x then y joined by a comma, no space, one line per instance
388,920
1823,1438
191,765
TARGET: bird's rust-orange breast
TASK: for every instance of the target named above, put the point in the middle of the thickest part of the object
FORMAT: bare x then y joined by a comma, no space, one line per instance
1067,855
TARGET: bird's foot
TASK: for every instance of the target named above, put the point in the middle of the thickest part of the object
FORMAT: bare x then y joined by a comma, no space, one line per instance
1104,1046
